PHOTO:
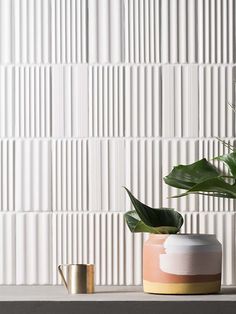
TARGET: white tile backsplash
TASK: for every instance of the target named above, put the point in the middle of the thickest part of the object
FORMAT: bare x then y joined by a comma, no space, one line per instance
33,244
100,94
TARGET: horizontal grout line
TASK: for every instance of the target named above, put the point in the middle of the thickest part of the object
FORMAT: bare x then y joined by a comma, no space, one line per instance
118,63
109,212
115,138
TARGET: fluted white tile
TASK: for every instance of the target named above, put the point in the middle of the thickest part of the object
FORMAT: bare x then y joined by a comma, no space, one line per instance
107,125
143,170
105,31
180,101
99,238
25,101
117,101
74,31
32,175
88,174
106,173
150,31
8,252
143,100
43,31
26,249
7,176
216,94
5,31
184,31
70,175
69,101
34,244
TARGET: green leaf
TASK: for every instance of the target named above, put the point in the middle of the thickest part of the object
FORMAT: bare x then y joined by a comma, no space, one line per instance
187,176
156,217
216,186
136,225
230,161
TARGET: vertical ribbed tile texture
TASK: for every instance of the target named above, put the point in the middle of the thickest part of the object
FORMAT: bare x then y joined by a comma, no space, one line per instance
100,94
33,244
69,101
179,31
88,174
117,101
141,31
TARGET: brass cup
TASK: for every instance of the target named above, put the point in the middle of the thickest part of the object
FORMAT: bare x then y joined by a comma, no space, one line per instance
79,279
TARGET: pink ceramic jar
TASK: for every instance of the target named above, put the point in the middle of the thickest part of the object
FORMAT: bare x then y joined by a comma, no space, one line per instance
182,264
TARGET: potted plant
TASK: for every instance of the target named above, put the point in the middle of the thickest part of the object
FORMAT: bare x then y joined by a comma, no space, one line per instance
174,263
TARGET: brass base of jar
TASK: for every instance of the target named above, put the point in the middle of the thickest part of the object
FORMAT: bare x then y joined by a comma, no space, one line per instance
182,288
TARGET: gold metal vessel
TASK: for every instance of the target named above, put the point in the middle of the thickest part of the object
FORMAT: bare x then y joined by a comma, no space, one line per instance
79,278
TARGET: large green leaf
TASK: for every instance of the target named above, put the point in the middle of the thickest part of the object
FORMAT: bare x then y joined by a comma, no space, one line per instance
202,177
187,176
156,217
214,186
230,161
136,225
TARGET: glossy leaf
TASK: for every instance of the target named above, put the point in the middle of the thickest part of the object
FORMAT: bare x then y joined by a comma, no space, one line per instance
136,225
202,177
156,217
215,187
187,176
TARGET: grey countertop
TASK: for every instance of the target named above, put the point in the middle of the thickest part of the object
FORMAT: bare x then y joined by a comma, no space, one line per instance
111,299
104,293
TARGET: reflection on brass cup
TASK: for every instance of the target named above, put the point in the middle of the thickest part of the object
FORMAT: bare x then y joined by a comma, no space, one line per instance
80,277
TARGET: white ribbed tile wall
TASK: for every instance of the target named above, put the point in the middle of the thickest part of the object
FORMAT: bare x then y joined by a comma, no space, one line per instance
117,101
166,100
7,175
125,100
106,174
143,100
69,103
216,92
43,31
150,31
33,244
32,175
25,175
98,238
25,101
107,104
143,168
44,101
105,31
100,94
180,101
59,31
70,175
180,31
25,254
88,174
